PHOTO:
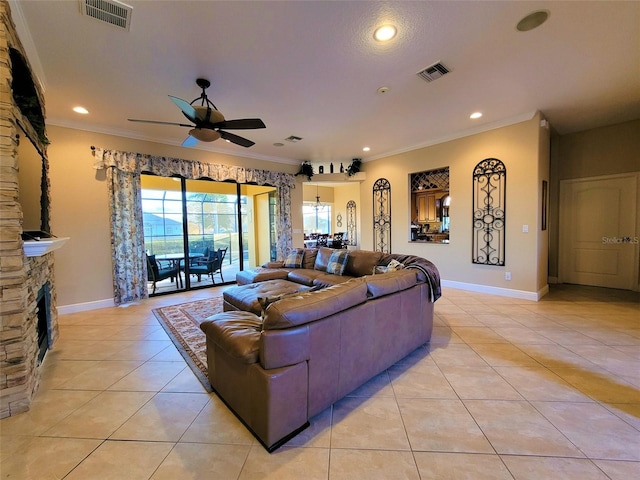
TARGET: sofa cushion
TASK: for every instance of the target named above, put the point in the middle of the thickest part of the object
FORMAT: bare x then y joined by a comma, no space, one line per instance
362,262
328,279
237,333
304,276
322,258
309,259
294,259
387,283
310,306
337,262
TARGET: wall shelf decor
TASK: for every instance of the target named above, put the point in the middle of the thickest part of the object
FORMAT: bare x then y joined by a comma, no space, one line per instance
382,216
352,235
489,217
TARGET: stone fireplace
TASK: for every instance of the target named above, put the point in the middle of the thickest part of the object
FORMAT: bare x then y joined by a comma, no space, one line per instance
23,280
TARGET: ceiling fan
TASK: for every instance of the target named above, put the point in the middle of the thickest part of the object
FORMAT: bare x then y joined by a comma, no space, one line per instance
208,121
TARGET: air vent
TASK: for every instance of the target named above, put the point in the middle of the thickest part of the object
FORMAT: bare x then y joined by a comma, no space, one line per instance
433,72
109,11
293,139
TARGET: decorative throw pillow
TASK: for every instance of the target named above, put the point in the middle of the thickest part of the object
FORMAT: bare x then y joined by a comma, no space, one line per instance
338,262
294,259
393,266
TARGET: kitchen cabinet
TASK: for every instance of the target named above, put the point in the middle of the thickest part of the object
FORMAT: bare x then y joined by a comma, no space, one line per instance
426,207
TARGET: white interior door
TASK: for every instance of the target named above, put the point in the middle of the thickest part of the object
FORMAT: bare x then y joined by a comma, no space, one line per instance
598,231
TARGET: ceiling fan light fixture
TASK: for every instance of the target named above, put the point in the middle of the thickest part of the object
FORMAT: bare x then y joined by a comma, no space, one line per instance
204,134
214,115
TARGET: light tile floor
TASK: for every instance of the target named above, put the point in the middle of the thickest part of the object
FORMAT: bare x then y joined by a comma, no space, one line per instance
506,389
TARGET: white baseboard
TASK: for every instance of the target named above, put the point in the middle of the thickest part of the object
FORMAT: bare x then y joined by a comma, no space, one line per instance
505,292
85,306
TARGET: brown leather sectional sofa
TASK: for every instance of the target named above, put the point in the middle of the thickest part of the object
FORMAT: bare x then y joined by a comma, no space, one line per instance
278,367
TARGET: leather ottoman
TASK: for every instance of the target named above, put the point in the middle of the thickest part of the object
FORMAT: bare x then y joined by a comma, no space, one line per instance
245,297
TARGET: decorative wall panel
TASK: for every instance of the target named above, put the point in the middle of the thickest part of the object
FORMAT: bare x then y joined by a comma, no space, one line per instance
382,216
352,230
489,217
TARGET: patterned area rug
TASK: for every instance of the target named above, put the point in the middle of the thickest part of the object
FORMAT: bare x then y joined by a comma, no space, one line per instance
182,324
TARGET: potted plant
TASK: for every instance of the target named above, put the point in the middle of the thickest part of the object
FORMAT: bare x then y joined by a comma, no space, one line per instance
306,169
354,167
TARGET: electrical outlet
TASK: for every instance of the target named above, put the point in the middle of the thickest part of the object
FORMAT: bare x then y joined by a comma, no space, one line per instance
507,275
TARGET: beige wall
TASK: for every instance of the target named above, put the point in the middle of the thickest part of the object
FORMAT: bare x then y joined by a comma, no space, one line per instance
80,208
311,191
342,194
80,205
519,147
600,151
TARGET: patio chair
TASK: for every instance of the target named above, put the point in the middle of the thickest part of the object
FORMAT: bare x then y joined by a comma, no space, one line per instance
158,270
209,264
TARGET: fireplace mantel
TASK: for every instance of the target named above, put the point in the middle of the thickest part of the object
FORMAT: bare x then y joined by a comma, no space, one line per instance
37,248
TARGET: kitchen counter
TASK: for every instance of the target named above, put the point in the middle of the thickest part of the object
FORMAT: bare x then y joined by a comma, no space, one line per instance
432,238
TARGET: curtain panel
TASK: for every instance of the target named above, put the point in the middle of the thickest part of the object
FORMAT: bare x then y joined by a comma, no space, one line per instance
127,235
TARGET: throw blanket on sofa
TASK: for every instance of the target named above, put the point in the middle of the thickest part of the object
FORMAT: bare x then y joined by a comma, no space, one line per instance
428,269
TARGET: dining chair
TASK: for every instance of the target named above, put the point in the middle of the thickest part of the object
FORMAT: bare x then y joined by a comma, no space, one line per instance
323,240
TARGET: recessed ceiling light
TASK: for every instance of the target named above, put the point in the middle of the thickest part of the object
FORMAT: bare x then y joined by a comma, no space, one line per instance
278,144
475,115
81,110
533,20
366,149
385,33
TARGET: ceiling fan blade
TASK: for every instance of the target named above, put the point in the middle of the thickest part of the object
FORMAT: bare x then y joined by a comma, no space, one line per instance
190,141
160,123
233,138
186,107
241,124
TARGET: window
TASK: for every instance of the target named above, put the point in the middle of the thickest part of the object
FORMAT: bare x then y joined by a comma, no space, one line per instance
188,218
316,218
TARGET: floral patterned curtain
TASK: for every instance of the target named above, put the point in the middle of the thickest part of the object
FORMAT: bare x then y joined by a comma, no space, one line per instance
127,238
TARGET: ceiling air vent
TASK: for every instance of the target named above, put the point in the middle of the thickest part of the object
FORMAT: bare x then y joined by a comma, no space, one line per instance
109,11
433,72
293,139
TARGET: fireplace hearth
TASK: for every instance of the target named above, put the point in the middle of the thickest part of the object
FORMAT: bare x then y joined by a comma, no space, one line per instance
43,326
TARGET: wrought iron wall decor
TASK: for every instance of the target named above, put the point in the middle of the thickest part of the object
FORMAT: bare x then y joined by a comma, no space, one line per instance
382,216
339,220
352,232
430,180
489,196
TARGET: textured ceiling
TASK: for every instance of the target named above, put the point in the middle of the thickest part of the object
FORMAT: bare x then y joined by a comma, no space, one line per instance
312,69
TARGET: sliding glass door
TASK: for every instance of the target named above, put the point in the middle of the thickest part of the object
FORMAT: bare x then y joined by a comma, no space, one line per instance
207,231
